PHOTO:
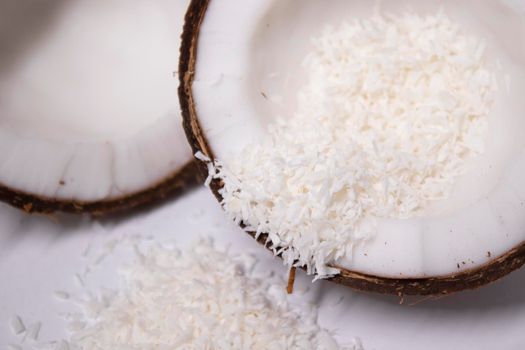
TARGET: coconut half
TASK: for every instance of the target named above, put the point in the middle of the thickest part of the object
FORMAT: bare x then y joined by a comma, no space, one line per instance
240,65
89,114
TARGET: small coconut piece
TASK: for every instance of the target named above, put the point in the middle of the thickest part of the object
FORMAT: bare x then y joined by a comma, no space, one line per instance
90,120
439,253
33,331
17,325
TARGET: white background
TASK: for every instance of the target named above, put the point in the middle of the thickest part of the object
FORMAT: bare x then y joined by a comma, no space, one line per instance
39,255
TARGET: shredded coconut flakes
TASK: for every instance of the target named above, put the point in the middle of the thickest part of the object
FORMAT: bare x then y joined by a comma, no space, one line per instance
200,298
394,108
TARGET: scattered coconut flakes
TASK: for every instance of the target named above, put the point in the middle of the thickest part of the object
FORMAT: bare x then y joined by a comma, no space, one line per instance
394,109
17,325
200,298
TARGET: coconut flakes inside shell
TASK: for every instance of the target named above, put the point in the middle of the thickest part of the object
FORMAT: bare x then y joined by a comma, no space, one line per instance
394,109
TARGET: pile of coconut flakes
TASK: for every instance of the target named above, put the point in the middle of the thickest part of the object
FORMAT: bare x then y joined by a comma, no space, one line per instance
199,298
394,108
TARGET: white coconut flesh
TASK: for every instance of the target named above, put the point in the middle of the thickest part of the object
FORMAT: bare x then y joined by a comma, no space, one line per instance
88,97
258,46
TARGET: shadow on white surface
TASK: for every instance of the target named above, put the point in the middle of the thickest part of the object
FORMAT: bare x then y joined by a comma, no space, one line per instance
17,226
22,24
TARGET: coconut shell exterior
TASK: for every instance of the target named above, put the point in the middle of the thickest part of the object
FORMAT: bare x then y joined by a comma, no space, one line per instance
187,177
435,285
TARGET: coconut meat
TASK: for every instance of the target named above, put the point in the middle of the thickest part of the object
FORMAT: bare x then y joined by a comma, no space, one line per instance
259,73
88,97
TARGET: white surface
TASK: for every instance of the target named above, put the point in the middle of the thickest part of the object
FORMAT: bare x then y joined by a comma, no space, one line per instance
39,256
482,215
88,96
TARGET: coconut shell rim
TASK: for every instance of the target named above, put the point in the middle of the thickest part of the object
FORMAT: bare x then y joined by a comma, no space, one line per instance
172,186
